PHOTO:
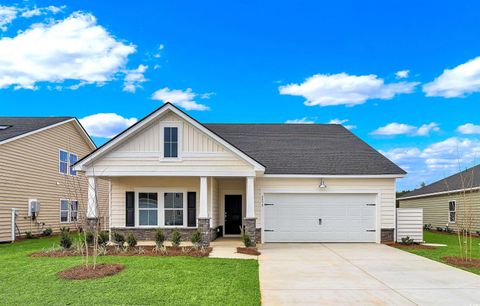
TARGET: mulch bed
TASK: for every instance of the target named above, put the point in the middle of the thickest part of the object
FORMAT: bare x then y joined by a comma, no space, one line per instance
88,272
136,251
457,261
412,246
248,251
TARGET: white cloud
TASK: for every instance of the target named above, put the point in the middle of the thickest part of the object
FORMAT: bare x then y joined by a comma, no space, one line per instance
436,161
182,98
303,120
37,11
134,78
395,128
402,74
457,82
469,128
75,48
106,125
7,15
342,122
344,89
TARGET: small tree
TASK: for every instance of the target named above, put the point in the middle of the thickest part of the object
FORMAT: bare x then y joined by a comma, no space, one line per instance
196,238
65,239
245,238
159,238
131,240
119,239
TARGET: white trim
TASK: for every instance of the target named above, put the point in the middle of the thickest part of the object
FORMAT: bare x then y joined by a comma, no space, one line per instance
59,160
367,176
179,126
378,200
134,173
69,210
450,211
110,209
147,120
224,193
79,126
439,193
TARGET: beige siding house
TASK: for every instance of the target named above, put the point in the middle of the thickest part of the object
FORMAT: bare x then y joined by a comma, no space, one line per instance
281,182
452,201
35,158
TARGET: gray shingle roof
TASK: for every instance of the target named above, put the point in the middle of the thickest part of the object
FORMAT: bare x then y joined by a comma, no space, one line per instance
322,149
22,125
468,178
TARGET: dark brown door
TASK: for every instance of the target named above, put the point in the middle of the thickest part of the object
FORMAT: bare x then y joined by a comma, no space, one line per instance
233,214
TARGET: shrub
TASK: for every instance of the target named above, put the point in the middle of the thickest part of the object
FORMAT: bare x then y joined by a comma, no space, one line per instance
28,235
176,238
448,229
159,238
427,227
119,239
196,238
89,237
440,229
48,231
103,238
65,239
407,240
64,229
247,242
131,240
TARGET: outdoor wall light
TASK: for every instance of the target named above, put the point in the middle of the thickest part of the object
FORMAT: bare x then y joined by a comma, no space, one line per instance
322,184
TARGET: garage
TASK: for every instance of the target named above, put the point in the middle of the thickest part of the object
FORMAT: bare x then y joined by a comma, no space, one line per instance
292,217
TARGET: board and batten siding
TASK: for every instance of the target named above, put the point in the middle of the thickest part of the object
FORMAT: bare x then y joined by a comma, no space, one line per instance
29,170
410,224
435,208
386,188
142,154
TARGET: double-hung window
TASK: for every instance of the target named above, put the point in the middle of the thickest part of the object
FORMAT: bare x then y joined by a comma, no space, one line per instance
73,160
64,211
148,208
173,202
452,211
63,162
170,142
73,211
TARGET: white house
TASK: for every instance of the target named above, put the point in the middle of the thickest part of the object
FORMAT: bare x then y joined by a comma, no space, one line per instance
282,182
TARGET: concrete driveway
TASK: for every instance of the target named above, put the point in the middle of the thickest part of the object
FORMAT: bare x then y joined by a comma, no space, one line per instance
360,274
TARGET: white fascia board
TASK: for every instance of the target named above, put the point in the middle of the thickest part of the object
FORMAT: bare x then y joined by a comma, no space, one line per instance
332,176
439,193
147,120
36,131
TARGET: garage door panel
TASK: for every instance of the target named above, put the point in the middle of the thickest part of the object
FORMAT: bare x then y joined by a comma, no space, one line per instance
295,218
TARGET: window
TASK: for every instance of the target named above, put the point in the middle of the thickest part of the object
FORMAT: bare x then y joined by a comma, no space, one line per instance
68,211
63,210
170,142
173,208
73,160
148,208
73,211
63,162
452,211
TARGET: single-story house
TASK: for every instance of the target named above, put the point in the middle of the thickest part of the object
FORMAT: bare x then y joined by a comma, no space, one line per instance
281,182
38,187
452,201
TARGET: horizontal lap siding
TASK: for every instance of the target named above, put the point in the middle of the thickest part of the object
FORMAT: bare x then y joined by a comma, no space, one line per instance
435,208
410,223
385,186
29,169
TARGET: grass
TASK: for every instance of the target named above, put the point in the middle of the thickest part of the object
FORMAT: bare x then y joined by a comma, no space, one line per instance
452,248
145,281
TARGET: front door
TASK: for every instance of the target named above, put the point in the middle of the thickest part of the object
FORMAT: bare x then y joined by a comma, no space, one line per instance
233,214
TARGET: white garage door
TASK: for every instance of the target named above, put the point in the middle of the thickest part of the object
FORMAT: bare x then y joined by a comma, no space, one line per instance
319,217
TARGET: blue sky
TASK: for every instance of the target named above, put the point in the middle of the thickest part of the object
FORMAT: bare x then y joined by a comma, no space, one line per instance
404,74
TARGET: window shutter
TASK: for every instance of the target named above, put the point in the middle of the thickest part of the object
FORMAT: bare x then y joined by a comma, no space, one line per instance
192,209
130,208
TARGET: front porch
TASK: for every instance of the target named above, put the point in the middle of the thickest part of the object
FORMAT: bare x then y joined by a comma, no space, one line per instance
215,206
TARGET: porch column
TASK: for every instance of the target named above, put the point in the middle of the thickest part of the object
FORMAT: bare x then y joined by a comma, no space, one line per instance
92,198
203,219
250,220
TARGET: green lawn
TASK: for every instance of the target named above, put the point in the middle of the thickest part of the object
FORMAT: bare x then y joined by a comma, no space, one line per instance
452,248
145,280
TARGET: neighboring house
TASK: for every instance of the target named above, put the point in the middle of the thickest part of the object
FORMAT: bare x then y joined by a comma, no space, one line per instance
448,200
282,182
35,158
